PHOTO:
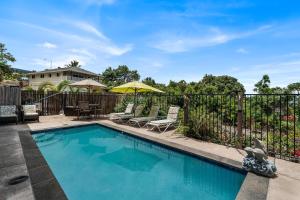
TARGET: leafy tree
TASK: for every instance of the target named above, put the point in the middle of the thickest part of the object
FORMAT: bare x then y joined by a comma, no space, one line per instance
149,81
294,87
263,86
46,86
5,59
219,84
119,75
63,85
73,63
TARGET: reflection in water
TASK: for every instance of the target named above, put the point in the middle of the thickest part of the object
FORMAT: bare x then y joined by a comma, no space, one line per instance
94,149
209,177
132,159
115,165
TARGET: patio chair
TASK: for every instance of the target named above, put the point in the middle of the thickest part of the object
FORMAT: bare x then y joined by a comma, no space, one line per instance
125,117
144,120
30,112
128,110
83,109
8,112
164,124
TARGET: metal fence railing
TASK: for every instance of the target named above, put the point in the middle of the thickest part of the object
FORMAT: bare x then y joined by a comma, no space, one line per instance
236,119
232,120
272,118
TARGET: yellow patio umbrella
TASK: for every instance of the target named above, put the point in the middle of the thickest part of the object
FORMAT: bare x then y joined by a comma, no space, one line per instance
134,87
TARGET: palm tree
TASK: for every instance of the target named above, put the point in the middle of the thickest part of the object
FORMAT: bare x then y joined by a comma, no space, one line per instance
73,63
46,86
63,85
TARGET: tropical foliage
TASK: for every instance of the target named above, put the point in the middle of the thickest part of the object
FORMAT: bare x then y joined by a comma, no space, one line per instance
46,87
120,75
5,59
73,63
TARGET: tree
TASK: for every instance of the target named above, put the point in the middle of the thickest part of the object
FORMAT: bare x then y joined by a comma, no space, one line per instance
263,86
5,59
63,85
219,84
149,81
73,63
122,74
294,87
46,86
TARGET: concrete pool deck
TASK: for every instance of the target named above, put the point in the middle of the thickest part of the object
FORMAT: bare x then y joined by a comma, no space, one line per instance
285,186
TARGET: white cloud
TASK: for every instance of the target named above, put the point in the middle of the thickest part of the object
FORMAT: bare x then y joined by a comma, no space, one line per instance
89,28
242,51
83,52
249,75
182,44
102,44
48,45
114,50
213,37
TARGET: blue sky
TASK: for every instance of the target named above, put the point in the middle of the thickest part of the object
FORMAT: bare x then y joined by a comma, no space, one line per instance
166,40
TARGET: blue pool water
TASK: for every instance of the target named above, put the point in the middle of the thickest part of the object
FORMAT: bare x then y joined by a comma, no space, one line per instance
95,162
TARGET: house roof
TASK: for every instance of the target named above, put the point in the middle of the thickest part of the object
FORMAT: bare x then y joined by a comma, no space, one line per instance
63,69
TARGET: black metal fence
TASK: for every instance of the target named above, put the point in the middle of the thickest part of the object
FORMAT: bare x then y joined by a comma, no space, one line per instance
275,119
232,120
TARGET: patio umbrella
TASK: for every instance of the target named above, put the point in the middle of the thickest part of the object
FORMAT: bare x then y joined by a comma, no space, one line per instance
134,87
88,83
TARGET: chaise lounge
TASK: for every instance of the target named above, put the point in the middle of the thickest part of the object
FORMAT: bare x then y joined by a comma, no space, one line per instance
139,121
128,110
125,117
164,124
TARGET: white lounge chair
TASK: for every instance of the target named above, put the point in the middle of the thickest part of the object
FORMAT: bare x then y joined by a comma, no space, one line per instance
144,120
128,110
125,117
164,124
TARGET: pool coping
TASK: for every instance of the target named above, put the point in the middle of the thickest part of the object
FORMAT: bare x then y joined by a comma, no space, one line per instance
253,187
43,182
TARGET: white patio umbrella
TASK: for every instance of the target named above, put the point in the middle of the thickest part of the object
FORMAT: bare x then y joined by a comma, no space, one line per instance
89,84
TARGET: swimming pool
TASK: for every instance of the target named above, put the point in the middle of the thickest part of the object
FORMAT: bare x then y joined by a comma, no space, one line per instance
96,162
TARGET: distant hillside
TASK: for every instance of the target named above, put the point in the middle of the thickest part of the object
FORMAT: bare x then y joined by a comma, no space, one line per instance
22,71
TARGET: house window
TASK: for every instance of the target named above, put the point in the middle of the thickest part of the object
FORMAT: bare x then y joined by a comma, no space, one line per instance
50,75
57,74
42,75
33,76
64,73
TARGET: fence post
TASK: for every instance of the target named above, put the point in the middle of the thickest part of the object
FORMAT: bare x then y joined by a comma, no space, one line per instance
240,120
186,110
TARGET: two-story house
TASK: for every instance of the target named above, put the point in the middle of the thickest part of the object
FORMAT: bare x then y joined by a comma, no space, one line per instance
59,74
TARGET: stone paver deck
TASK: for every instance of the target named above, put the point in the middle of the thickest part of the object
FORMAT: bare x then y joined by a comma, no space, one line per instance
285,186
12,164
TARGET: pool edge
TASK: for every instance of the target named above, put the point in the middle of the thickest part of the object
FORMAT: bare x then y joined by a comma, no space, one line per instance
253,187
43,182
